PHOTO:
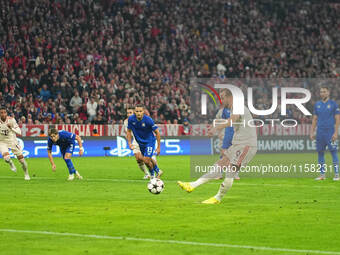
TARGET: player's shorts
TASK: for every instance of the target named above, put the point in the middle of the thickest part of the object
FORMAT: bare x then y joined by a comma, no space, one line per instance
324,139
14,146
148,149
240,154
68,149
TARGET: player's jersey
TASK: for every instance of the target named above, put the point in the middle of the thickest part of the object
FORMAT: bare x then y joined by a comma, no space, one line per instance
142,129
244,134
326,112
65,140
9,135
227,132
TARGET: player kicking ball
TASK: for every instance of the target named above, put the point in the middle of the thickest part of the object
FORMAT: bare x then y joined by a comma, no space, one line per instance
326,120
136,150
66,142
242,150
9,130
144,130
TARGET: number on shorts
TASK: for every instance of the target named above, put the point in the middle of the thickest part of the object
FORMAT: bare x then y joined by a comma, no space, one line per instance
149,150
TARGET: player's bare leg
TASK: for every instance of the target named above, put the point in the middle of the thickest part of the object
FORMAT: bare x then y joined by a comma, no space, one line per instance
142,166
24,166
148,162
8,160
151,164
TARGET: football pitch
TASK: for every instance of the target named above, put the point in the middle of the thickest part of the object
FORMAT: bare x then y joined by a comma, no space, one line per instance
112,212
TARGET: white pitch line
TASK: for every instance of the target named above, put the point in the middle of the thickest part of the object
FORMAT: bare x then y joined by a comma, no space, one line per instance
122,238
173,181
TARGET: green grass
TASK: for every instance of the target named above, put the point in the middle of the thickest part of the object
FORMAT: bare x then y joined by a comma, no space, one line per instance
112,200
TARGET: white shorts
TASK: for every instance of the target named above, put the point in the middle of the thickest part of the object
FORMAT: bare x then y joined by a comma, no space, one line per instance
240,155
136,147
14,146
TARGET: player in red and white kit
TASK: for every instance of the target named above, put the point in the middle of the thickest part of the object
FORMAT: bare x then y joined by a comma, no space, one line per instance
239,154
9,130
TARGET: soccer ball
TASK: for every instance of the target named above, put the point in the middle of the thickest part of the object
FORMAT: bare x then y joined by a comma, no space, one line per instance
155,186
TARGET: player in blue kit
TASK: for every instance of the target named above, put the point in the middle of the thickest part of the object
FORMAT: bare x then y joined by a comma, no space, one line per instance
66,142
326,120
144,130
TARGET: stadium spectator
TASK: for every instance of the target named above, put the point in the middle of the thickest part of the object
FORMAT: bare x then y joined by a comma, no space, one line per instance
45,93
95,132
186,127
76,102
42,133
92,109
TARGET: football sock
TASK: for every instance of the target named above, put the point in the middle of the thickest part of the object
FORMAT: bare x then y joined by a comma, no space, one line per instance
225,186
24,165
335,161
199,181
70,166
321,161
207,177
155,169
143,168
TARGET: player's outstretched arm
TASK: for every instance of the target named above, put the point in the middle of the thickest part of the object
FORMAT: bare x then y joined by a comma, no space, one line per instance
129,138
312,131
158,137
81,148
50,157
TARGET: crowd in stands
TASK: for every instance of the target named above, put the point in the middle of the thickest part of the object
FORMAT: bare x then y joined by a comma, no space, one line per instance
65,61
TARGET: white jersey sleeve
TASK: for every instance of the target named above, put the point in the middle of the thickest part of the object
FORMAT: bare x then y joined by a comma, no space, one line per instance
125,125
126,128
15,127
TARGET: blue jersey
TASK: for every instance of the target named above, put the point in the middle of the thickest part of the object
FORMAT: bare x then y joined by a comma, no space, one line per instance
66,140
326,112
142,129
228,132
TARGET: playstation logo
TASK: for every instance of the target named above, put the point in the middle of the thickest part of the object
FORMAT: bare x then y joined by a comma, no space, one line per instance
122,148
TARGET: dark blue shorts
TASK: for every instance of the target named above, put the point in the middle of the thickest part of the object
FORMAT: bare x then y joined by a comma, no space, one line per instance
324,139
68,149
148,149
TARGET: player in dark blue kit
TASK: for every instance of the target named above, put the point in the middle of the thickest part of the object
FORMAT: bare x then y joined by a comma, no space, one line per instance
66,142
144,129
326,120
